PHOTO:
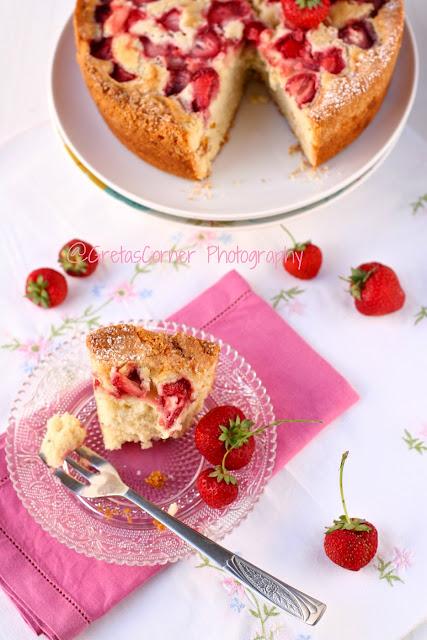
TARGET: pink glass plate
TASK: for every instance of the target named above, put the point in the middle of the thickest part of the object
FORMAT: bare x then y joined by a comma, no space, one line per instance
112,529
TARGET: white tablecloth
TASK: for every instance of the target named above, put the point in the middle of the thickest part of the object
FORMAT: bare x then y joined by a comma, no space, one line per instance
46,200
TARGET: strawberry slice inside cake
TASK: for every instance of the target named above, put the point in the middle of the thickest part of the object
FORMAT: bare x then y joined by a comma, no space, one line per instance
148,386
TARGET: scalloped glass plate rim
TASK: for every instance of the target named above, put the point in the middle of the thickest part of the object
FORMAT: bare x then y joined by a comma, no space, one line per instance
43,367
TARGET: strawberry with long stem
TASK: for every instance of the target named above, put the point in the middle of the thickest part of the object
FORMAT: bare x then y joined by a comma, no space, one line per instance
350,542
309,265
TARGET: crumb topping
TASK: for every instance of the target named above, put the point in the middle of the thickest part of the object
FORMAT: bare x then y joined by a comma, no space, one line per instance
119,344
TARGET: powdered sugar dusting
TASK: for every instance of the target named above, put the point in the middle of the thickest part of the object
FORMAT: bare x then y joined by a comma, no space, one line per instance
365,65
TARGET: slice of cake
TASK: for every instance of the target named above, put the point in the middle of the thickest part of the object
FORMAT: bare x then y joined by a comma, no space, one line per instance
148,386
64,433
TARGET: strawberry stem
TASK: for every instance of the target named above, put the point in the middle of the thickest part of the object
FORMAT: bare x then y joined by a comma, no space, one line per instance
357,281
277,422
223,467
344,506
259,430
307,4
289,234
344,522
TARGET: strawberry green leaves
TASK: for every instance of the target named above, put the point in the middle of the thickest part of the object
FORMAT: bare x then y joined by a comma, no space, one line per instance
222,474
237,433
352,524
37,292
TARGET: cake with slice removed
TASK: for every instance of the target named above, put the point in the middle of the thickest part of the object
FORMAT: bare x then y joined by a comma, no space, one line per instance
167,75
148,385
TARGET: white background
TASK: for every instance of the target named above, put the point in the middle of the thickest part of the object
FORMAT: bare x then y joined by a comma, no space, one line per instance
383,358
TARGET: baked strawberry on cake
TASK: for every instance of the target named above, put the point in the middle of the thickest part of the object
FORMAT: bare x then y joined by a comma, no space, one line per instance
148,385
168,75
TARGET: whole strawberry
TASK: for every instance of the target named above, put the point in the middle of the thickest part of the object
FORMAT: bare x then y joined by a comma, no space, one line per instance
350,542
376,289
45,287
306,265
217,488
221,429
305,14
78,258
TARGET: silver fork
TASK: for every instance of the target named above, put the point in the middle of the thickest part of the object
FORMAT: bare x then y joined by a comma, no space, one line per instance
105,481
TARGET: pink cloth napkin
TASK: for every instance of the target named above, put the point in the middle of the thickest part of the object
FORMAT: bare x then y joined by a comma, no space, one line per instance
60,592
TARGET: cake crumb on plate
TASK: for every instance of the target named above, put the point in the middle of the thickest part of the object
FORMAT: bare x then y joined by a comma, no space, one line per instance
294,148
201,190
172,511
305,170
156,479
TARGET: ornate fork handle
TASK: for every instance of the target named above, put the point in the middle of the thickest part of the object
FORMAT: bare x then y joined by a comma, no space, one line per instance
288,598
279,593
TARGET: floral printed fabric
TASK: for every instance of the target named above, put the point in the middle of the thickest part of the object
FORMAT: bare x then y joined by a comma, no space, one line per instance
383,357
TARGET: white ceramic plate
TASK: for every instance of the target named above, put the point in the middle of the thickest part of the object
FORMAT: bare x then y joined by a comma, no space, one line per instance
251,176
267,221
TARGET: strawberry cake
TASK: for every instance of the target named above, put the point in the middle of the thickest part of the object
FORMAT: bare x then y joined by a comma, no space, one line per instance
148,386
168,75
